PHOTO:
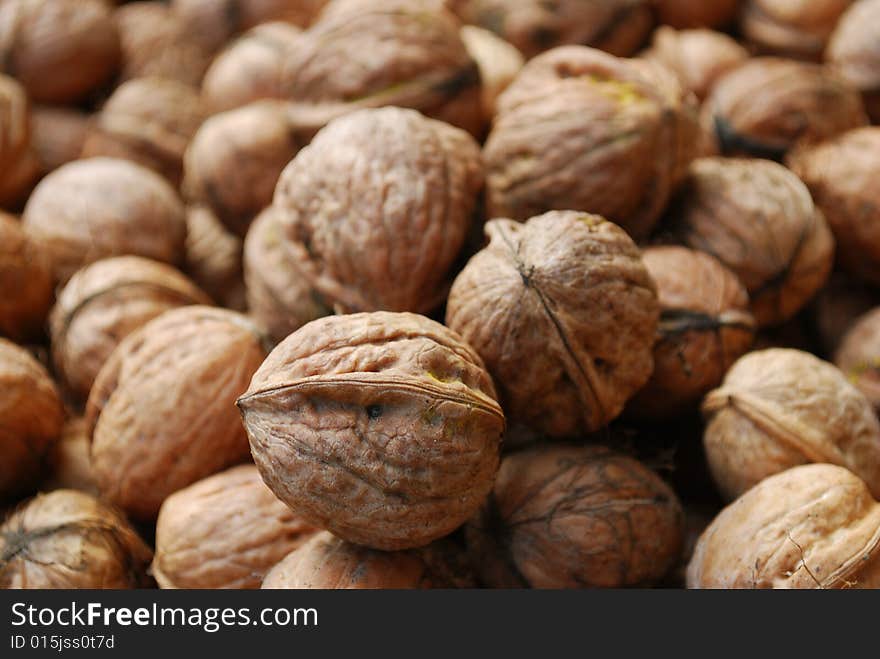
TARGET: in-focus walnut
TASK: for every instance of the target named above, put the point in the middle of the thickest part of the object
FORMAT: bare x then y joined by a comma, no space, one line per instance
69,539
60,50
105,302
69,460
814,526
327,562
696,13
161,413
854,51
250,68
697,57
768,105
214,258
575,517
583,130
836,308
564,313
57,135
859,356
380,427
499,63
792,28
31,416
91,209
225,531
758,219
780,408
376,209
149,121
25,282
705,326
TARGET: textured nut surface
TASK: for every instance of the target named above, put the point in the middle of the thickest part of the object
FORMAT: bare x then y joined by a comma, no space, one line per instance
563,312
225,531
57,135
575,517
579,129
854,51
859,356
161,412
380,427
69,539
376,209
498,61
214,258
25,281
780,408
795,28
70,461
696,13
814,526
105,302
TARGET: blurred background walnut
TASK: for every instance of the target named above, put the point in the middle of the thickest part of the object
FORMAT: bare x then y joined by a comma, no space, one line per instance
25,282
69,463
57,135
794,28
837,307
214,258
858,356
854,51
696,13
19,168
499,63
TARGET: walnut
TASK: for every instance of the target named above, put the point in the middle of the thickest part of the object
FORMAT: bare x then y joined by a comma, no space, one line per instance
575,517
380,427
780,408
105,302
99,207
768,105
814,526
697,57
582,130
696,13
213,258
69,539
758,219
326,562
60,50
225,531
31,416
69,460
376,209
793,28
854,51
57,135
18,165
499,63
837,306
161,412
25,282
859,356
563,312
705,326
149,121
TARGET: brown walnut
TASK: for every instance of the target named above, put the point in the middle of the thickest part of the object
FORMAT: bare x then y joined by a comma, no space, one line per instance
70,462
214,258
854,51
792,28
696,13
15,127
859,356
57,135
380,427
25,282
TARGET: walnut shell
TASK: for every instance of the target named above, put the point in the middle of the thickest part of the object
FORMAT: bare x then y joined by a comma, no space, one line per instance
696,13
105,302
92,209
758,219
161,412
854,51
563,312
575,517
705,326
768,105
793,28
498,61
814,526
60,50
859,356
31,416
582,130
327,562
70,461
214,258
25,281
380,427
376,209
225,531
780,408
69,539
57,135
149,121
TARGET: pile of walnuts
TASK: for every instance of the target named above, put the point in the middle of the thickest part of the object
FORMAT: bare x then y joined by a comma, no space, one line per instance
536,295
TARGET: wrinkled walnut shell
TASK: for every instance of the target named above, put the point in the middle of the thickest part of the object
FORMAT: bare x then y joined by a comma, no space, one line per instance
792,28
57,135
380,427
854,51
563,312
70,461
696,13
780,408
499,63
859,356
214,259
25,281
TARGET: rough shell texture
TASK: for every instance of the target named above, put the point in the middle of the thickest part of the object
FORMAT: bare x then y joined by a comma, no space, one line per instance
854,50
225,531
161,411
31,416
499,63
582,130
768,105
60,50
575,517
780,408
759,220
696,13
705,326
214,259
794,28
377,208
814,526
842,176
69,539
563,312
105,302
25,281
57,135
70,462
380,427
859,356
100,207
326,562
